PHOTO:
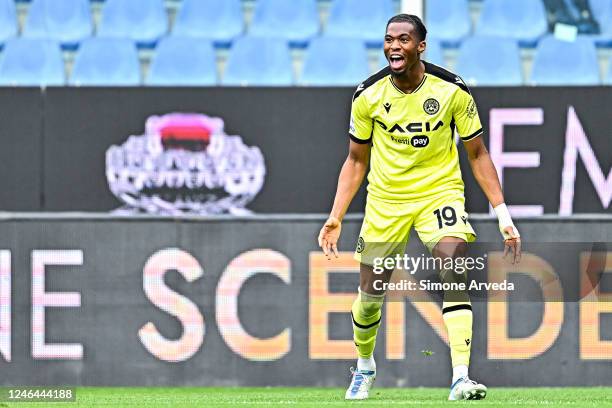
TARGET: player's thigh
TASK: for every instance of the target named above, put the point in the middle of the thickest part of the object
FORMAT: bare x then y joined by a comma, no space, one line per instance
450,248
443,216
384,232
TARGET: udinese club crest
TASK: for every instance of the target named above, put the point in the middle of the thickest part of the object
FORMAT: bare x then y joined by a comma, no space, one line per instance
431,106
360,245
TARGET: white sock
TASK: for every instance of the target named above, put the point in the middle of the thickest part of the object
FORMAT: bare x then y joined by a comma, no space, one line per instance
459,371
366,364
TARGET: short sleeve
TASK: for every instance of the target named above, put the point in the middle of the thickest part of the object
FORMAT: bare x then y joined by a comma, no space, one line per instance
466,116
360,127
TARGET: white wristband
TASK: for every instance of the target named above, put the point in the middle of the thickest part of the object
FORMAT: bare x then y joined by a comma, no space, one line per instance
505,220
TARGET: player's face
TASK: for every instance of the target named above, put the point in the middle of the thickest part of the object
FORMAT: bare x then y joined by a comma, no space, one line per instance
402,47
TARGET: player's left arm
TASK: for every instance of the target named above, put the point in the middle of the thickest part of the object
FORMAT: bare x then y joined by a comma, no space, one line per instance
484,170
486,176
468,123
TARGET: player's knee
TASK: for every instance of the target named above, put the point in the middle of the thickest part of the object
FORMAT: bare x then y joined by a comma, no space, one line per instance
453,276
450,247
373,283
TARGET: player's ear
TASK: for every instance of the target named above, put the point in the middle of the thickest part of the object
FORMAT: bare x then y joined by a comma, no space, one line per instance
421,47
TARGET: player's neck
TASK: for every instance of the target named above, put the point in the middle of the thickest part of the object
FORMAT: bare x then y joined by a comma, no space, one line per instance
411,78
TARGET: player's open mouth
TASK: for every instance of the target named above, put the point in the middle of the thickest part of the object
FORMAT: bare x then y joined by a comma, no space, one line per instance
396,61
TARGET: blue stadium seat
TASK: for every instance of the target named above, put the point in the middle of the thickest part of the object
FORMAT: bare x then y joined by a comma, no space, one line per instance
31,62
143,21
106,62
323,67
258,61
602,10
8,20
296,21
433,54
67,21
558,62
183,61
382,59
448,21
522,20
217,20
359,19
489,61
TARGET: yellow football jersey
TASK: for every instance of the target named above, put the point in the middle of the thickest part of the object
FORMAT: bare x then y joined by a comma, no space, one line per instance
413,152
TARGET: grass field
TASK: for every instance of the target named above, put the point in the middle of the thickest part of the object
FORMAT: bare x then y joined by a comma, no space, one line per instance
324,397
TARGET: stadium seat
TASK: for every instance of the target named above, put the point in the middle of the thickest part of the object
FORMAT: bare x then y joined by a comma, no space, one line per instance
67,21
106,62
477,67
359,19
8,20
602,10
448,21
558,62
433,53
183,61
217,20
382,59
143,21
322,67
31,62
258,61
296,21
522,20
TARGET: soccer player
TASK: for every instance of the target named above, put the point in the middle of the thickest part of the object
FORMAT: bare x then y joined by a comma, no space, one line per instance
403,120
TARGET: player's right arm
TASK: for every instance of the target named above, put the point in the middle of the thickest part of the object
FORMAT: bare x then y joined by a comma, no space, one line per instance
469,128
353,171
351,176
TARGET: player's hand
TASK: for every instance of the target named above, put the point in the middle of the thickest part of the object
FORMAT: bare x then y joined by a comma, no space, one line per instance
512,244
329,235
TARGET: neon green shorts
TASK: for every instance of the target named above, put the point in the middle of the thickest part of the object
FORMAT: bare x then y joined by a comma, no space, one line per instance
386,226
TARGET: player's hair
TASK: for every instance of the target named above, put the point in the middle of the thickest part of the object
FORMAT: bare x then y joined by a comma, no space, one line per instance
416,22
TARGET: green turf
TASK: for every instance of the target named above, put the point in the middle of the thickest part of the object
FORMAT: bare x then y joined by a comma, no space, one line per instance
324,397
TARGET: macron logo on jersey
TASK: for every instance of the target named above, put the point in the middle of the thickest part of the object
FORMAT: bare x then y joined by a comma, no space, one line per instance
461,84
360,88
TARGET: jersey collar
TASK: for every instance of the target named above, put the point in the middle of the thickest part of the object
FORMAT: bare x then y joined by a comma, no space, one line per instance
415,90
